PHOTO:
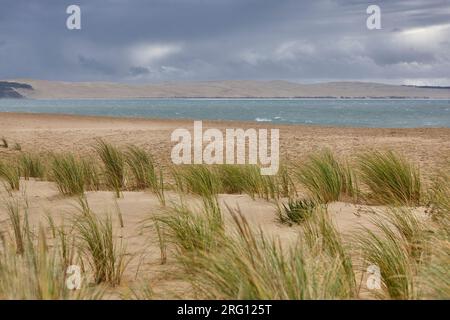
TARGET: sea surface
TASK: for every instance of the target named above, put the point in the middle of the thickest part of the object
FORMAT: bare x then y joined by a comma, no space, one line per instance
383,113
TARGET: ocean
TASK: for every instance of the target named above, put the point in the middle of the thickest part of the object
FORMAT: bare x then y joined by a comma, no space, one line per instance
382,113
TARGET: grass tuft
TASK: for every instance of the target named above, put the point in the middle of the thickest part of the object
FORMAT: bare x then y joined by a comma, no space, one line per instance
325,178
296,211
114,165
31,166
250,265
144,172
105,255
191,231
69,174
390,253
390,178
10,174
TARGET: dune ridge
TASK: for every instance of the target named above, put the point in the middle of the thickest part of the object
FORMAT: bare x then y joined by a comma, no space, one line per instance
43,89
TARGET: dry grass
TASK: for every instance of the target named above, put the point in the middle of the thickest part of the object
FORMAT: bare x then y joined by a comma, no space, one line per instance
114,165
104,253
390,178
31,166
234,260
326,178
10,175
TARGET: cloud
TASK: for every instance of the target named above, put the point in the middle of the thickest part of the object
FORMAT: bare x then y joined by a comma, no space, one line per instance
95,66
146,54
160,40
138,71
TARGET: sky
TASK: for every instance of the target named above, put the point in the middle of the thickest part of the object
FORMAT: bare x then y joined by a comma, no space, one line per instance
142,41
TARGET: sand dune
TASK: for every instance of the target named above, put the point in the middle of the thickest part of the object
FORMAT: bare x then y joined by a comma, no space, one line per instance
224,89
430,148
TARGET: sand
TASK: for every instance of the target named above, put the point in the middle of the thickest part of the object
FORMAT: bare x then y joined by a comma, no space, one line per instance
43,89
429,148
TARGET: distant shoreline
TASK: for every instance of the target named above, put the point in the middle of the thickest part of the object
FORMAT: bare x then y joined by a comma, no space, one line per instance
57,117
243,98
228,89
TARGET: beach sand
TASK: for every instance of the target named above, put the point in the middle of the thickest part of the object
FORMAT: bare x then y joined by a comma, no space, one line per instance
429,148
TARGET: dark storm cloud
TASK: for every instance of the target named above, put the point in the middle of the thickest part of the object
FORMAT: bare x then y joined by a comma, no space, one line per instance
159,40
138,71
94,65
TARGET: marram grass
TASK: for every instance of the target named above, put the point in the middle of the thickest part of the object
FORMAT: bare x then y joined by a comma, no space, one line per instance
325,178
296,211
32,268
390,178
10,175
114,165
69,174
100,247
252,265
31,166
144,172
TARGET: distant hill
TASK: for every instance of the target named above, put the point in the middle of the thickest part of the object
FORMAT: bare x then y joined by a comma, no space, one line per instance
430,87
41,89
9,89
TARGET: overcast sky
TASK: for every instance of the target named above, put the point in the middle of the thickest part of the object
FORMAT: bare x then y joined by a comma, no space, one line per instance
179,40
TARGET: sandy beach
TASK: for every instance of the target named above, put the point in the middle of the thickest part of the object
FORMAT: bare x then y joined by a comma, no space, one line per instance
46,133
429,147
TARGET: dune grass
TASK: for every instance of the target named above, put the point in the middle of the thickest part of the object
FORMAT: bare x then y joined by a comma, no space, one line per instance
390,178
296,211
239,261
257,185
386,249
10,174
142,167
38,274
31,166
92,175
191,230
209,181
321,236
439,197
248,179
325,178
30,267
231,178
251,265
287,187
199,180
114,165
144,172
434,280
69,174
19,223
97,242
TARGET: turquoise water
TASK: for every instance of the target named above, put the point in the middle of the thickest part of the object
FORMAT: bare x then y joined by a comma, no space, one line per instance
324,112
